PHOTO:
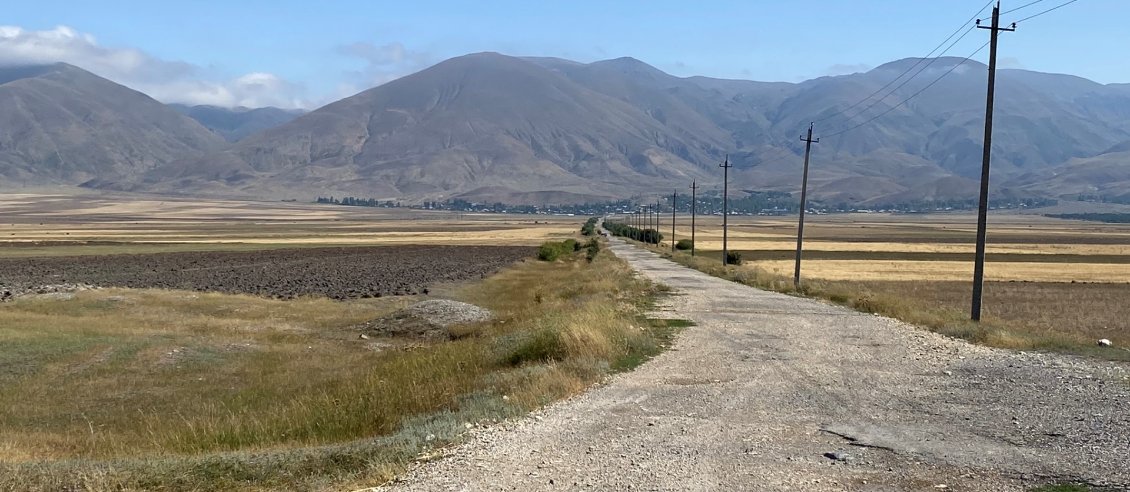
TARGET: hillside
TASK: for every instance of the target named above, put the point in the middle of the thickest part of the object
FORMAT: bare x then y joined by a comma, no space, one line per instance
234,124
490,127
62,125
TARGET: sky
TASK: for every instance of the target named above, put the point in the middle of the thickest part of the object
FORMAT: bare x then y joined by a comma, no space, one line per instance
304,54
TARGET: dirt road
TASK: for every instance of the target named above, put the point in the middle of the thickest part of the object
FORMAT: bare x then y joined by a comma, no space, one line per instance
771,392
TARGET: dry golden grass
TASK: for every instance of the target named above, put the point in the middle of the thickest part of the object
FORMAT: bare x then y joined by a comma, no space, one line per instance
123,390
931,271
900,247
1057,316
37,225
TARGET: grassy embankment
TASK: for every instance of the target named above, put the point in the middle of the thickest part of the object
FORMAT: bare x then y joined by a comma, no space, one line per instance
137,390
1053,316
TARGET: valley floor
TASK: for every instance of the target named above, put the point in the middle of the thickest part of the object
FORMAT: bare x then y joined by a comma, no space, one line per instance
772,392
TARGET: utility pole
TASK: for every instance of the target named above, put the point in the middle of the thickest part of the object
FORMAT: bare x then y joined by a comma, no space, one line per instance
808,141
983,203
725,165
694,196
657,222
674,202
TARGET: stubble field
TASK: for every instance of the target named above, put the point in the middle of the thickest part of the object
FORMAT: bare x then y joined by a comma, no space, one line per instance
1050,283
223,349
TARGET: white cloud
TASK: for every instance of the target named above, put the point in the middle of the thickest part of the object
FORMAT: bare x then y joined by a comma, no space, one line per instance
846,69
164,80
383,63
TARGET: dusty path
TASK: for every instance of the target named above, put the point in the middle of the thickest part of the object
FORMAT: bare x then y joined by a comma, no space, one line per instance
755,395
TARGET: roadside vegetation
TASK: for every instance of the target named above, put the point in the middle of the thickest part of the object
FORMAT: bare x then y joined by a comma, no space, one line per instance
649,236
1051,316
121,389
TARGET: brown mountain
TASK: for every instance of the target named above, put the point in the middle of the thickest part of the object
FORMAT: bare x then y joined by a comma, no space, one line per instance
237,123
483,125
489,127
62,125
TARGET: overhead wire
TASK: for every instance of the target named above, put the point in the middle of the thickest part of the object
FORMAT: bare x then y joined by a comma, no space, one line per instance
912,96
919,72
935,81
1029,4
912,67
1046,11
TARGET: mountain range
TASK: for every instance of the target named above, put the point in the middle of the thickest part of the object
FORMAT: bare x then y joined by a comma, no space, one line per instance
491,127
235,124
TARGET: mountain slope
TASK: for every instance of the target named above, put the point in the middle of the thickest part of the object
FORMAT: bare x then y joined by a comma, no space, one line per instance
234,124
491,127
62,125
483,121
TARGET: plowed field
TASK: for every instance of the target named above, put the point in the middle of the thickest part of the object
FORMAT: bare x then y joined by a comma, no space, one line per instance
338,273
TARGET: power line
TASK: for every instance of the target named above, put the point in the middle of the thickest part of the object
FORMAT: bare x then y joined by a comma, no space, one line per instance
935,81
1046,11
912,67
1029,4
912,96
932,60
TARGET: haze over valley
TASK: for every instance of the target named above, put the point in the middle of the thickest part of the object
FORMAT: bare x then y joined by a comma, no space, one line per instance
488,127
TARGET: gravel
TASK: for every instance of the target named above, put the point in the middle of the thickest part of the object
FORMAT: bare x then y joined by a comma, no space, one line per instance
765,387
428,319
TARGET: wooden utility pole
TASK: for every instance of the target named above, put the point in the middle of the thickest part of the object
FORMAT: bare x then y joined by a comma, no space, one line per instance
694,197
674,202
725,165
657,225
983,202
808,141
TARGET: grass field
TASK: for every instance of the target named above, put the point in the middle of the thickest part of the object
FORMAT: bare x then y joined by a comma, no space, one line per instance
1050,284
141,389
148,389
38,225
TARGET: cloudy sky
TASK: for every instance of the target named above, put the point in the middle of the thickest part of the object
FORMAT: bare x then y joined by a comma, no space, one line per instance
304,54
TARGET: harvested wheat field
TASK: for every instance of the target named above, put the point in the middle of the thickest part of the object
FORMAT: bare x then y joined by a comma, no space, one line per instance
39,225
1050,284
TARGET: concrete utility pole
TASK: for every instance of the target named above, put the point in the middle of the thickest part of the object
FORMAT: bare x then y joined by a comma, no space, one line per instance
674,202
983,203
694,187
808,141
725,165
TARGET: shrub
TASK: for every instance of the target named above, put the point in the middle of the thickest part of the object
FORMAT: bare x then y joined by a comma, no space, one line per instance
549,251
570,245
733,258
650,236
592,248
590,227
684,244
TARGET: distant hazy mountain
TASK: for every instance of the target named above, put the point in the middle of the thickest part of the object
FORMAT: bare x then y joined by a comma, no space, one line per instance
62,125
489,127
236,123
494,127
482,125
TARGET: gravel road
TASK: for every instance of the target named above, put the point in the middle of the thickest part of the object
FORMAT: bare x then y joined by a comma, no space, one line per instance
772,392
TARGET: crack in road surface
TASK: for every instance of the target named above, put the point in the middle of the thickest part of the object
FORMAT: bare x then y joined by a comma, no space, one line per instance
773,392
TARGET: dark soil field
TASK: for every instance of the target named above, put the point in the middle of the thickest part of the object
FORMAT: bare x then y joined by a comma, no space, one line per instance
338,273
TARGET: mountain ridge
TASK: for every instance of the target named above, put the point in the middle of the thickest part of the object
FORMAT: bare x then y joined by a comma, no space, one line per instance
493,127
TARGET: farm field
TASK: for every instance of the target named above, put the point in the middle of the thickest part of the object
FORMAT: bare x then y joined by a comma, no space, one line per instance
923,247
337,273
222,348
1050,283
39,225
